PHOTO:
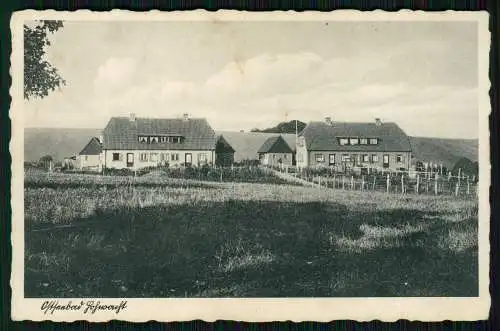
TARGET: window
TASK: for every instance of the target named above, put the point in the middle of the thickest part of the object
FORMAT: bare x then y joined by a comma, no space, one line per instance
86,157
143,157
363,141
343,141
386,159
142,139
320,158
285,156
331,159
202,157
354,141
374,158
345,158
366,158
116,157
176,140
153,157
400,158
355,158
175,156
153,140
300,158
373,141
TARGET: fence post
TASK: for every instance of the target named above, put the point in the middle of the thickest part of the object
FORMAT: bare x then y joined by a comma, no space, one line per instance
388,182
418,182
319,181
436,176
352,182
402,183
374,179
343,182
334,180
457,186
468,186
362,183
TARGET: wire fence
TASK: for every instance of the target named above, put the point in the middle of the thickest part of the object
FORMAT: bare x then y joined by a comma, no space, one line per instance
402,182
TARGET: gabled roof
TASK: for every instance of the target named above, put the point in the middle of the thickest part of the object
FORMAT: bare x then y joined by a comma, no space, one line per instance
93,147
275,145
321,136
222,145
122,133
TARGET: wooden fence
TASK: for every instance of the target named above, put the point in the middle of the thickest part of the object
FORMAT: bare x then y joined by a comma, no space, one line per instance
401,182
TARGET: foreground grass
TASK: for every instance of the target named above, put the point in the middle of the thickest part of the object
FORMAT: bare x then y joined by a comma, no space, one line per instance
251,240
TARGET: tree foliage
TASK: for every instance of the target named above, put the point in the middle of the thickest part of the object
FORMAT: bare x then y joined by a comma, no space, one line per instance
40,76
46,158
284,127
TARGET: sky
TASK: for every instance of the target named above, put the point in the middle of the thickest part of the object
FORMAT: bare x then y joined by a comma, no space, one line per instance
244,75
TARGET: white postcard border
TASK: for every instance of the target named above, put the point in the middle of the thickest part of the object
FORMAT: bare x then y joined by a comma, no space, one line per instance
258,309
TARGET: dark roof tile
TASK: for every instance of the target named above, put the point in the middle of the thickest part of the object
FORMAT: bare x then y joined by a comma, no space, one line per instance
122,133
93,147
275,145
321,136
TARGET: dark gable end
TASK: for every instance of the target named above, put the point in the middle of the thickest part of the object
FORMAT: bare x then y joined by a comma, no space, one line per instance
321,136
94,147
275,145
121,133
222,146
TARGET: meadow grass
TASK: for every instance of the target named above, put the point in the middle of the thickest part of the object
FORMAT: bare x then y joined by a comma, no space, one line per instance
171,238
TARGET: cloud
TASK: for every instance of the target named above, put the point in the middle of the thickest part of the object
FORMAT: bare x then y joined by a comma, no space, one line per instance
264,74
114,73
266,89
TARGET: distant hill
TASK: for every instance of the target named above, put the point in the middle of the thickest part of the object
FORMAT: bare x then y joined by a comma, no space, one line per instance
66,142
56,142
445,151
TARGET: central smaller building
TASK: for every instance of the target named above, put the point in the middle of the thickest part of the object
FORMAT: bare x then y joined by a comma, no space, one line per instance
275,152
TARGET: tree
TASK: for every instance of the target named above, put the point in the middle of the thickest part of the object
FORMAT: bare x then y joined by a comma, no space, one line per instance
40,76
284,127
46,159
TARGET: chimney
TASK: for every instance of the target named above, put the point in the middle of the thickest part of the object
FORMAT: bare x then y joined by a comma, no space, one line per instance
132,117
378,122
328,120
101,139
185,116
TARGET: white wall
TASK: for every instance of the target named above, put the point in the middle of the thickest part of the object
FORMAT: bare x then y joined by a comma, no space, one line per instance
89,162
301,155
273,158
138,164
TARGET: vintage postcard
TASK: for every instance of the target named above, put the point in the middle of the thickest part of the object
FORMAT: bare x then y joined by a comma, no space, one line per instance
250,166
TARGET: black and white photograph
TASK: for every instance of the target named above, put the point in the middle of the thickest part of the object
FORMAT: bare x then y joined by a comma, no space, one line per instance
295,164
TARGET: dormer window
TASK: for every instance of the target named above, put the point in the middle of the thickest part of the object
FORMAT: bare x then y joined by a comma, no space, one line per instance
159,139
363,141
354,141
373,141
343,141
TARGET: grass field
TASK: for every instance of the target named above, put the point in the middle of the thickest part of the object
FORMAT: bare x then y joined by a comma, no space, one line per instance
91,236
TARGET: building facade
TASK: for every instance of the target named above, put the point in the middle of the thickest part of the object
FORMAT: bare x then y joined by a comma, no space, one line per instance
275,152
136,143
357,146
91,156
